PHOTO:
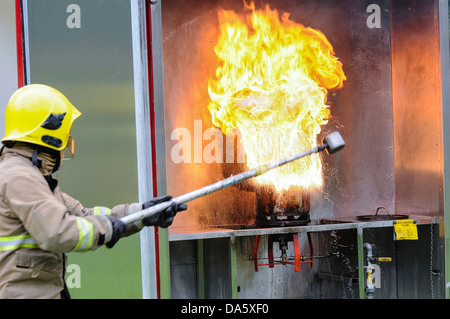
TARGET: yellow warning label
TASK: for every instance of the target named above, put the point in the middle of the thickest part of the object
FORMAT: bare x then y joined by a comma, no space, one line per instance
405,230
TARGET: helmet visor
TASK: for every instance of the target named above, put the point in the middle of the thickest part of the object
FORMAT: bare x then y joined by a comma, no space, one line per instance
69,151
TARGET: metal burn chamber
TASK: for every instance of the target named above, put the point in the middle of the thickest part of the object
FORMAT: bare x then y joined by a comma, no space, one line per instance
391,112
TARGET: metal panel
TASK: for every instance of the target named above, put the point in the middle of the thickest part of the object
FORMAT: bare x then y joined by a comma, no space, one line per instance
217,268
361,178
418,268
419,42
445,87
417,106
185,269
187,37
339,271
143,143
280,282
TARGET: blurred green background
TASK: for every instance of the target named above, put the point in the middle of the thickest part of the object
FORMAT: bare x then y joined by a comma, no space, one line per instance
92,65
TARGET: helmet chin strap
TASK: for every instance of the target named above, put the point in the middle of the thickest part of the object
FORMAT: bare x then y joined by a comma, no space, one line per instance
34,159
54,154
58,162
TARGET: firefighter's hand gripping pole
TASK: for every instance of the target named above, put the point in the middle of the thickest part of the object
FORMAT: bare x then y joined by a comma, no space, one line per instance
332,143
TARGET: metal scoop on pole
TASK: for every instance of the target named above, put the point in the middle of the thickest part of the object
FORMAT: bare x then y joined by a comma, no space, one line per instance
332,144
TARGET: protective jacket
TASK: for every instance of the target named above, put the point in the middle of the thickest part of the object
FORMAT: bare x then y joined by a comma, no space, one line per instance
39,224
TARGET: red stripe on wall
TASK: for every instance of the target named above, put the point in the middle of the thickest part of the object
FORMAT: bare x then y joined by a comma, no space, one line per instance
153,140
19,43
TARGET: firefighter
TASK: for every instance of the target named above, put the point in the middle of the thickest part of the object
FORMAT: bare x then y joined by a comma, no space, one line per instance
38,222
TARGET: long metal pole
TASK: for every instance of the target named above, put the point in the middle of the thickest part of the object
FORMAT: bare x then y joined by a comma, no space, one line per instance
232,180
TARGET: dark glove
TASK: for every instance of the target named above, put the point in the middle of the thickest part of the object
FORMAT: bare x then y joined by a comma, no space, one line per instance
119,228
164,218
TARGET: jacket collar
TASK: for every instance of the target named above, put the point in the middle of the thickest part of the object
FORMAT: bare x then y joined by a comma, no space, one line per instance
47,162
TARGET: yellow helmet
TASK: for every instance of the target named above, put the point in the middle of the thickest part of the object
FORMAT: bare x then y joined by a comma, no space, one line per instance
40,115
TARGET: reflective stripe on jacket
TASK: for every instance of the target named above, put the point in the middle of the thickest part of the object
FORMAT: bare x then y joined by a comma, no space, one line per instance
15,242
37,226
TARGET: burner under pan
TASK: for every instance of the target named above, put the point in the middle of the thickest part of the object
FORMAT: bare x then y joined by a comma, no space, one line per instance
273,220
279,209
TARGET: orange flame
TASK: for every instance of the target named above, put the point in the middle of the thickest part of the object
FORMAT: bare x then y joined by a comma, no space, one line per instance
272,85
